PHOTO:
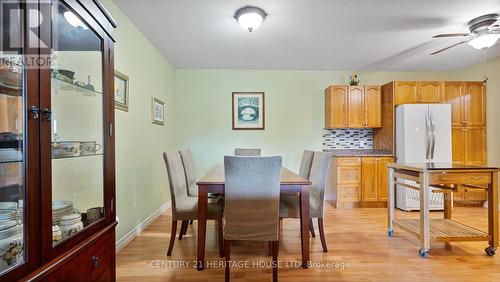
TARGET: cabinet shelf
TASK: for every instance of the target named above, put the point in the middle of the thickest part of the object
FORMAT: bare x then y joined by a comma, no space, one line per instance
59,84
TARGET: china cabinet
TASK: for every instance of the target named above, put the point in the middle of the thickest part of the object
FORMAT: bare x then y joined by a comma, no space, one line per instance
57,175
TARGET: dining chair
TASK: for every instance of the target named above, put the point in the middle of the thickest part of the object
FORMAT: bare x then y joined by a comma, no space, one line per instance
290,205
251,211
306,163
247,152
185,208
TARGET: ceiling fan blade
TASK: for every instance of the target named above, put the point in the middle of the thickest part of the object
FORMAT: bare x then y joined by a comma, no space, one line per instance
451,35
449,47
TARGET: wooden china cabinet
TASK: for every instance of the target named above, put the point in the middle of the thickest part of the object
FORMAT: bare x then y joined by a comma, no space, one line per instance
57,172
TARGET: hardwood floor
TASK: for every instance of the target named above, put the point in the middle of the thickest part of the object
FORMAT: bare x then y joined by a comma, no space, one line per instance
357,240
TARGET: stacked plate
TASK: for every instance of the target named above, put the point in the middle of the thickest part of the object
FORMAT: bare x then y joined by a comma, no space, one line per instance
60,209
8,215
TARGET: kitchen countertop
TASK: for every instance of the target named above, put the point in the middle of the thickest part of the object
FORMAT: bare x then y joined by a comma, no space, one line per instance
358,152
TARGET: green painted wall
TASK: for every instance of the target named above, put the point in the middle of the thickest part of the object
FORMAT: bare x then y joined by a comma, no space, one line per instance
294,110
141,181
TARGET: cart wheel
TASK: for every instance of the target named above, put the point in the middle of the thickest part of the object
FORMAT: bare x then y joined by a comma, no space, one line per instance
390,232
423,253
490,250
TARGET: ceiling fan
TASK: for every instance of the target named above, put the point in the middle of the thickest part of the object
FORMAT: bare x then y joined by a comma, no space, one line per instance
484,33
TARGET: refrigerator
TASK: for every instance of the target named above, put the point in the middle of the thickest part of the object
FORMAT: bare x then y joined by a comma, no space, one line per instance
423,134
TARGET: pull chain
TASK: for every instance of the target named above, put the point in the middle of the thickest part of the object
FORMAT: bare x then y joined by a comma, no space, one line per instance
485,77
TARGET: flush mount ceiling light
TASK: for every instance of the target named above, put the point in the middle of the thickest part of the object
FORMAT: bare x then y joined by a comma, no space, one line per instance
250,18
74,20
484,40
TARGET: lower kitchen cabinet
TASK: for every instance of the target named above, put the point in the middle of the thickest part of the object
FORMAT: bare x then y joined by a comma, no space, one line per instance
358,182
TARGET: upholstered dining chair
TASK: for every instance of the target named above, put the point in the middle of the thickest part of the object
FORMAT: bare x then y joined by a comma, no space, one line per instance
185,208
251,211
247,152
290,206
306,163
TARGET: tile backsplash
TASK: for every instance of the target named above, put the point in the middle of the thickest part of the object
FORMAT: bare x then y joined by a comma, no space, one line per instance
348,138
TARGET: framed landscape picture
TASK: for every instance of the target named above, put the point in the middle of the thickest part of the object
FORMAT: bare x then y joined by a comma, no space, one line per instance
121,91
157,111
248,110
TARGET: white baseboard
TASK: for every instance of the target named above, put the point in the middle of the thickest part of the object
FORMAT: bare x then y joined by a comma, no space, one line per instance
141,227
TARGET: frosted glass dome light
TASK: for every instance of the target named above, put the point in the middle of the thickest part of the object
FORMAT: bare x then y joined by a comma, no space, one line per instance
73,20
250,18
484,40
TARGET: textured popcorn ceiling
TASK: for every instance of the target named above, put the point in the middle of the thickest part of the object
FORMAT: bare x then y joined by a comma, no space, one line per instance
359,35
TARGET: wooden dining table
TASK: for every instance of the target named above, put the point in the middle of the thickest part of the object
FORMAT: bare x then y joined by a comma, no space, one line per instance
213,182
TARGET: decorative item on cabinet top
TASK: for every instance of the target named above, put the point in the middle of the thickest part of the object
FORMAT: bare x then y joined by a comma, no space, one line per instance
353,79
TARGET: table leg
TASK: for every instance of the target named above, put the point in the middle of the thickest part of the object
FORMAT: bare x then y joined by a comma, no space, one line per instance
390,201
202,224
448,205
304,224
424,214
493,210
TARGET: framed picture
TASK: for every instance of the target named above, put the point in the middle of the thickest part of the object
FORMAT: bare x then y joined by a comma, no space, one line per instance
248,110
157,111
121,91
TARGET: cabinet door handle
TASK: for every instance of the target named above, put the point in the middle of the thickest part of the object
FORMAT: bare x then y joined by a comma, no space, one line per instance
95,261
47,113
35,112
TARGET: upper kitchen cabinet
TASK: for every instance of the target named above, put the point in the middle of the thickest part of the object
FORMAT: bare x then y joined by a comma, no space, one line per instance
336,106
353,107
405,92
474,104
430,92
413,92
467,101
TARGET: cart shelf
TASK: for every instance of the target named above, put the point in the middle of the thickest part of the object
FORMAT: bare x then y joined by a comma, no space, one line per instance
444,230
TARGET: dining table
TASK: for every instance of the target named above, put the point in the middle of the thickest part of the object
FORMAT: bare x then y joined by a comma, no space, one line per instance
290,183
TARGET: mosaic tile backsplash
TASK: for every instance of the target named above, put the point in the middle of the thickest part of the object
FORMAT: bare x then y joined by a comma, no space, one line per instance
348,138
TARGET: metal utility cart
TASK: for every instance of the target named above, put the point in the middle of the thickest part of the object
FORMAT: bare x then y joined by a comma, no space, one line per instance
447,178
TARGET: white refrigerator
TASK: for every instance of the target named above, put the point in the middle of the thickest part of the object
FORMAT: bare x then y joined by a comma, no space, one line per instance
423,134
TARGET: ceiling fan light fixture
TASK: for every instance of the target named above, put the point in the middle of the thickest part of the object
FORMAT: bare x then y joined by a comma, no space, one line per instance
250,18
484,40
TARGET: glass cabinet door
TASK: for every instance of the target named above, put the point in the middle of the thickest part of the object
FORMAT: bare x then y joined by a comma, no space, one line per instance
76,117
12,132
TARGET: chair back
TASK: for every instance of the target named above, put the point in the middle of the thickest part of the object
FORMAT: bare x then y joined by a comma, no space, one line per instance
319,173
252,193
247,152
176,177
188,164
306,163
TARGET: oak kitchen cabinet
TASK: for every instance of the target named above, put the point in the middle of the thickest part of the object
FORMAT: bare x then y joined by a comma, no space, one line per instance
413,92
374,178
353,107
358,181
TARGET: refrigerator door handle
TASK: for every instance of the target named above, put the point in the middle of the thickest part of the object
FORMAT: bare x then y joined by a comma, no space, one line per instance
428,136
433,131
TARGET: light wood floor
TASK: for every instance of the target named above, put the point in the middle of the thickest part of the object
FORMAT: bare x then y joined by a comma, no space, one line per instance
356,237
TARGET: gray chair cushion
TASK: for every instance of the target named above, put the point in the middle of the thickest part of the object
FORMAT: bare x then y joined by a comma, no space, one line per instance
247,152
252,189
188,163
289,205
184,207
